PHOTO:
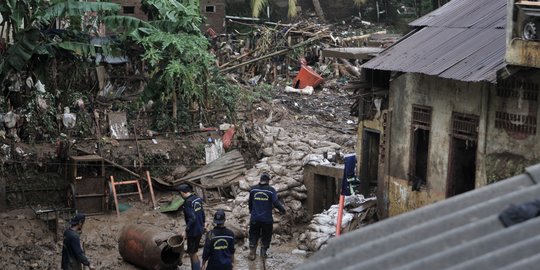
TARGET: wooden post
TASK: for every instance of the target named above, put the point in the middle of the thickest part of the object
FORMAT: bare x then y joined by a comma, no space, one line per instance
151,189
115,198
340,214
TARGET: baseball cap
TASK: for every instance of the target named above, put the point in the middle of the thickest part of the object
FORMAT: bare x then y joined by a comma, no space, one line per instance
265,177
219,217
184,188
78,218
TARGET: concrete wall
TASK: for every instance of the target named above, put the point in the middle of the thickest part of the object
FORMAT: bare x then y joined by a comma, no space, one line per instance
131,3
216,19
332,171
509,152
444,96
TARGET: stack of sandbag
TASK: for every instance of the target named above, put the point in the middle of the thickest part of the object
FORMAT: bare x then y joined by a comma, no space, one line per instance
284,158
323,226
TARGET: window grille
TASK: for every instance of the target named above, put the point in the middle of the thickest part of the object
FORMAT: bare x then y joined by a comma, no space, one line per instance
421,117
518,89
465,126
516,122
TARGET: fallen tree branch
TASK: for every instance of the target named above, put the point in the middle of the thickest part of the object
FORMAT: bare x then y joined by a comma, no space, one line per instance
303,43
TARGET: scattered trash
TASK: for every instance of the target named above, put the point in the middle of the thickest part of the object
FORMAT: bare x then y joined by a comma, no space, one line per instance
10,120
68,119
40,87
308,90
228,138
118,125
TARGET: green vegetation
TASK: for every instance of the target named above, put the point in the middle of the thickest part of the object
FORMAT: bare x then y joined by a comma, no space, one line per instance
53,35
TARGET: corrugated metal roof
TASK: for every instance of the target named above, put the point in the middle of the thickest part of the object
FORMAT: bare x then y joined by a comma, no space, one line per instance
463,40
462,232
466,14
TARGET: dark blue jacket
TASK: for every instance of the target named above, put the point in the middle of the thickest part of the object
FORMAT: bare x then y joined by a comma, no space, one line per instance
72,253
194,215
219,249
262,198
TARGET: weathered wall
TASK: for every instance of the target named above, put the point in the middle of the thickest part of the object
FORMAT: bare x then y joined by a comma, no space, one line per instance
136,4
444,96
215,19
335,172
508,151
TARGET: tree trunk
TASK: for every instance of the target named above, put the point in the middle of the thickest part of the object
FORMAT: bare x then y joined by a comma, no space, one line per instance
318,9
174,106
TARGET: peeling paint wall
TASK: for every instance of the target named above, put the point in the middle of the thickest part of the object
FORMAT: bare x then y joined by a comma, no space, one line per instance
444,96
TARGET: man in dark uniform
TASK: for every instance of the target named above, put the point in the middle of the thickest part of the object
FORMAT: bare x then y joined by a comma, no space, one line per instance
72,253
262,198
194,217
218,249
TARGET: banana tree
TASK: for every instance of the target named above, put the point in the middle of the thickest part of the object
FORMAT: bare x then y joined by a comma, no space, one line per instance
174,48
26,20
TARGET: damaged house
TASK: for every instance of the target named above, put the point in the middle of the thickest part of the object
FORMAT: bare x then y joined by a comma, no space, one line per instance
441,111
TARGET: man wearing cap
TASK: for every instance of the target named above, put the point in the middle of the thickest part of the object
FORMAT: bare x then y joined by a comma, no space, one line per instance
194,217
72,253
219,249
262,199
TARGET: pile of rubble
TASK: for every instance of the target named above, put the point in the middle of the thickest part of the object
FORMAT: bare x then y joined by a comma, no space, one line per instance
272,52
284,158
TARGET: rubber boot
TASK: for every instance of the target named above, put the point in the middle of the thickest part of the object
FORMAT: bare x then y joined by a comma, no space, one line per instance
252,253
264,253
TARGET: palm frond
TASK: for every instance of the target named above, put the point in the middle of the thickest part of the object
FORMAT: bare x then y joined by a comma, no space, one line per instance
292,8
257,6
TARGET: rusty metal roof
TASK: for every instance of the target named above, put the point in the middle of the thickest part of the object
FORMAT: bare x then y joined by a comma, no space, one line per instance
463,40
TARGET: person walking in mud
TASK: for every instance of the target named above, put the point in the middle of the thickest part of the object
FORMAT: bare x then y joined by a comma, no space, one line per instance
72,253
195,219
218,252
262,199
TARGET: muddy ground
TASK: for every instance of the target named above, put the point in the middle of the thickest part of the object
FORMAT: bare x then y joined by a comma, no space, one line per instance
27,243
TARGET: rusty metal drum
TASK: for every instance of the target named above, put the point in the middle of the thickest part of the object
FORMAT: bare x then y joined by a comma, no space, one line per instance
150,248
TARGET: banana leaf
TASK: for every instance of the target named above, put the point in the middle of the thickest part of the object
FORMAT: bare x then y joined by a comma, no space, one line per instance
19,53
83,49
131,25
75,8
